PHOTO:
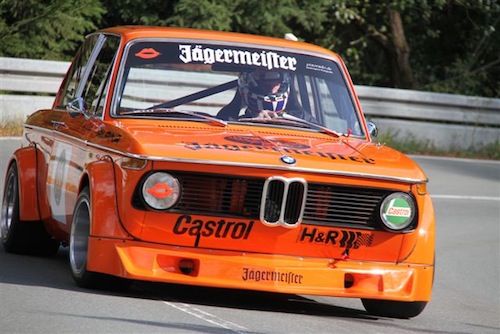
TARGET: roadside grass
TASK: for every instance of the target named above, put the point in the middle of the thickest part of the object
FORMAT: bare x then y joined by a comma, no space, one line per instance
11,128
409,145
412,145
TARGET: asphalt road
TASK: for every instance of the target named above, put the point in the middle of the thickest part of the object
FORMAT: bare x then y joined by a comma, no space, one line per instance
37,295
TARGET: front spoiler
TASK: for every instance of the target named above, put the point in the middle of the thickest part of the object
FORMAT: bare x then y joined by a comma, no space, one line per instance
262,272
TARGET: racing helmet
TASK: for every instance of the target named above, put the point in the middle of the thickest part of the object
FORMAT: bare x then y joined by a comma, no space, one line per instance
264,90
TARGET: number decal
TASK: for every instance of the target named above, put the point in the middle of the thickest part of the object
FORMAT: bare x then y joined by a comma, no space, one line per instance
58,169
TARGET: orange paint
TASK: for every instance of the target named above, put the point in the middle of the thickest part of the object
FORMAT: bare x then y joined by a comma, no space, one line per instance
160,190
232,176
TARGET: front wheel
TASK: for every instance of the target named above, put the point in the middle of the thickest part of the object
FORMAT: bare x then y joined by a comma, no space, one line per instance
79,241
393,309
78,249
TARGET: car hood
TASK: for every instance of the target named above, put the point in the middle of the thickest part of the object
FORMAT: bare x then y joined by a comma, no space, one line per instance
265,147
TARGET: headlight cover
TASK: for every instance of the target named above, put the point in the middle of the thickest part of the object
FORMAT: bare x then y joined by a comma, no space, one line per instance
397,211
161,191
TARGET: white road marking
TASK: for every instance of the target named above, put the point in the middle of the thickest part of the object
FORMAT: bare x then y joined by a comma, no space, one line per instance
432,157
208,317
474,198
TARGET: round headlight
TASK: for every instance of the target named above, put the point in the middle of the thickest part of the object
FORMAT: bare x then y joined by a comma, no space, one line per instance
397,211
161,191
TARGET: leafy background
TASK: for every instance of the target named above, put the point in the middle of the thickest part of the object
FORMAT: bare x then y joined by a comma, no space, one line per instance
450,46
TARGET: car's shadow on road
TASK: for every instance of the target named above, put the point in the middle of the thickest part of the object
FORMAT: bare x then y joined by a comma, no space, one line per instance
242,299
54,272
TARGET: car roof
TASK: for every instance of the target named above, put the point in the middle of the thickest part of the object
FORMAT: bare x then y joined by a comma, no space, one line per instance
136,32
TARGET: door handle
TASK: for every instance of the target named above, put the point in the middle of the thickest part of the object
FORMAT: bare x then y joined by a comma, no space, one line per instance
57,124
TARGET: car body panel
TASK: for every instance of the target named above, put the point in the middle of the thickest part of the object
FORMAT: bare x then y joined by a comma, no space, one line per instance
215,234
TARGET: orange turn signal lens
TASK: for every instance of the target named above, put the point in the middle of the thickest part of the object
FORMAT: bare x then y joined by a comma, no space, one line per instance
133,163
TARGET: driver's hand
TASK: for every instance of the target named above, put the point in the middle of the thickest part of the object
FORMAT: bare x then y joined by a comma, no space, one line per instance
265,114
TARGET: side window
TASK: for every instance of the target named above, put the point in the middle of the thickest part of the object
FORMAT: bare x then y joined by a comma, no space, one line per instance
305,95
95,88
77,71
329,102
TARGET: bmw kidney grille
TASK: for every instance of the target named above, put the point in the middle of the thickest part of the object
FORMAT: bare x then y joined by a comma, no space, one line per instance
283,201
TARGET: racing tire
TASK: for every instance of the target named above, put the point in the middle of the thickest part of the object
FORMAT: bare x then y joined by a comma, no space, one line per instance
78,250
393,309
21,237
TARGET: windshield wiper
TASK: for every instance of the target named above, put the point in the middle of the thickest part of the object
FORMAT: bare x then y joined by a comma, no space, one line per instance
287,119
311,125
168,111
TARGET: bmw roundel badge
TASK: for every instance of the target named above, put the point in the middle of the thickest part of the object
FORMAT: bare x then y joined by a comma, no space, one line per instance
288,159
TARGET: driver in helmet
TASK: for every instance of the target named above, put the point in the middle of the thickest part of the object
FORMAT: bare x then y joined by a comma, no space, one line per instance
265,93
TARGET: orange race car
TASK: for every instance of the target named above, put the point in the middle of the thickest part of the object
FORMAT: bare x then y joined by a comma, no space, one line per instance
223,160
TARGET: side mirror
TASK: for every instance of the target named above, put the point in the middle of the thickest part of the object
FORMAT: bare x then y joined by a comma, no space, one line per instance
76,107
372,128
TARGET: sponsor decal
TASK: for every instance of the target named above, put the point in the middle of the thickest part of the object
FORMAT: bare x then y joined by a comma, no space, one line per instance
255,275
113,137
206,55
147,53
59,167
160,190
100,132
321,68
340,238
397,211
299,151
185,224
259,141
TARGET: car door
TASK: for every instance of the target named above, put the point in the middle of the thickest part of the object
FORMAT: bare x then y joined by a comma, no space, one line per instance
77,112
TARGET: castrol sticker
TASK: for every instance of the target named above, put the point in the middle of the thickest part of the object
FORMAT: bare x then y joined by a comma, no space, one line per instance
397,211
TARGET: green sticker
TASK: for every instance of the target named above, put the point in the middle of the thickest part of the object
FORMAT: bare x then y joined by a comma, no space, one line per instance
397,211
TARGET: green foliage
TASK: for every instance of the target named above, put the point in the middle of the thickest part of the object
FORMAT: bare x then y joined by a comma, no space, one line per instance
409,145
461,54
212,15
271,18
453,45
45,29
133,12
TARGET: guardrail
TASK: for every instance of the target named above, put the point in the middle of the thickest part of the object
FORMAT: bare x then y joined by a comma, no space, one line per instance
443,120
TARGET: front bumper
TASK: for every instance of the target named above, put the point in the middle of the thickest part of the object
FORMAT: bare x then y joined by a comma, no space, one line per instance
263,272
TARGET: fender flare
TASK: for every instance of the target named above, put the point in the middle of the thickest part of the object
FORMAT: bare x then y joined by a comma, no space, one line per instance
423,251
27,167
106,220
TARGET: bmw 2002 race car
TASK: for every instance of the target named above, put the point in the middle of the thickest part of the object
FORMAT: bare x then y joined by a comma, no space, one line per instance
222,160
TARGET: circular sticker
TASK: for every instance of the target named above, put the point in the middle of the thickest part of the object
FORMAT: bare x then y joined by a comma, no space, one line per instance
397,211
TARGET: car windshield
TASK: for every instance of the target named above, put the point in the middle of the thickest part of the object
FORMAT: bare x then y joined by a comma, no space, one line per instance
162,79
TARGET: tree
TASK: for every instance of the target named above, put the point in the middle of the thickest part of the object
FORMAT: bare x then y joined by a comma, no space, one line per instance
125,12
270,18
462,52
442,45
50,29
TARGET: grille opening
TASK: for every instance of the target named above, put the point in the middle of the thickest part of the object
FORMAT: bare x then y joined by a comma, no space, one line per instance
242,197
331,205
223,196
294,203
274,201
284,201
216,195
